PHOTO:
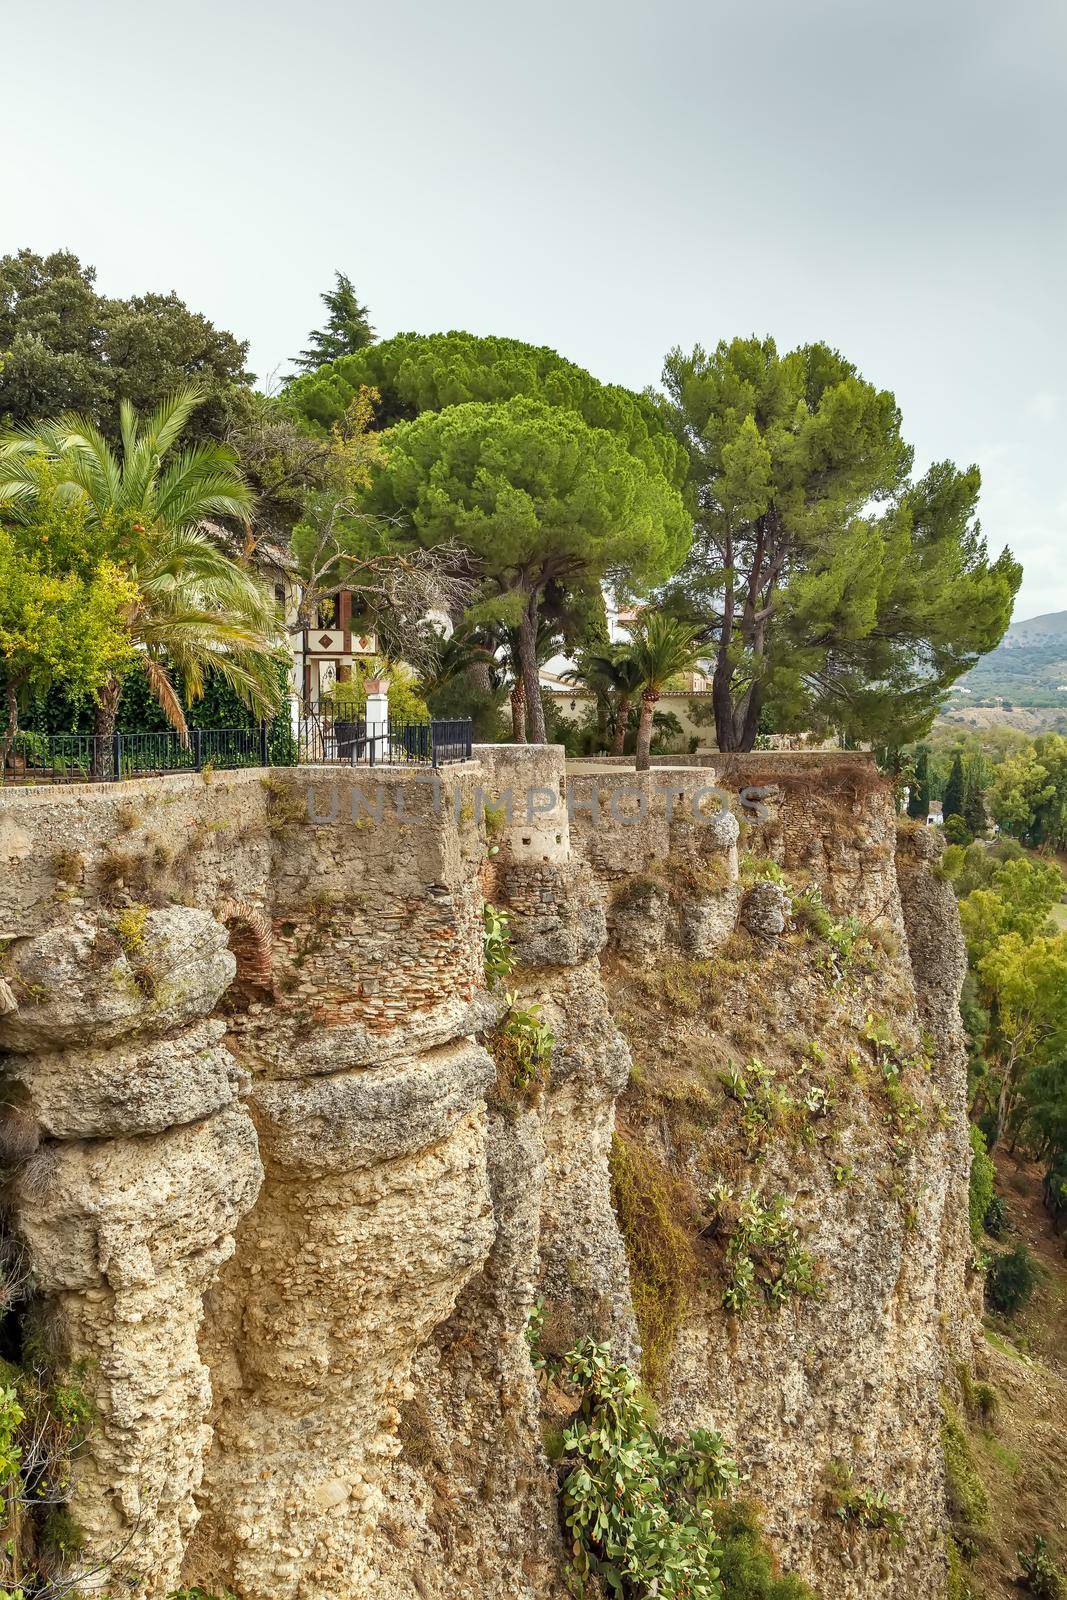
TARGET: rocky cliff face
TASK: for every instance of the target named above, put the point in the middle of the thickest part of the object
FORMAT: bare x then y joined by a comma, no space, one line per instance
275,1186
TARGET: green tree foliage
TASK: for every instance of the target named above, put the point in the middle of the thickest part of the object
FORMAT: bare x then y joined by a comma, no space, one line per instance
63,606
1011,1280
919,788
413,373
1016,896
66,347
1028,793
983,1178
538,497
1018,1016
831,586
612,674
347,328
1025,981
194,609
955,790
974,807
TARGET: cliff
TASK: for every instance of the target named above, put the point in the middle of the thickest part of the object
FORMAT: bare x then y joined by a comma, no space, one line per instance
288,1204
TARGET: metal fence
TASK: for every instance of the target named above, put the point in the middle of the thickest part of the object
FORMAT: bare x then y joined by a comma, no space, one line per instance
324,737
31,758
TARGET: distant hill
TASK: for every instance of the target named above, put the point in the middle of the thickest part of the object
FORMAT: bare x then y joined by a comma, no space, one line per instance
1051,625
1028,667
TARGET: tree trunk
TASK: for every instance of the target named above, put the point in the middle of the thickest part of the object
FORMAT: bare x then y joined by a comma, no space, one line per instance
107,715
622,718
644,730
478,673
750,724
602,710
8,741
518,712
535,711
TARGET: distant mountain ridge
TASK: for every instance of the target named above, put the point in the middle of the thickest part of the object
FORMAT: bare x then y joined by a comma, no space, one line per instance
1050,625
1028,667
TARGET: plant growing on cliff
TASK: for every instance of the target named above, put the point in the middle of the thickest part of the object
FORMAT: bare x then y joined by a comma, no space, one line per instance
45,1421
653,1207
1041,1576
637,1505
810,912
857,1503
763,1254
965,1496
496,943
521,1045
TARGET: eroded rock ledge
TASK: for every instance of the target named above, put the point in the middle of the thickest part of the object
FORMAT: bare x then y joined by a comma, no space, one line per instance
273,1187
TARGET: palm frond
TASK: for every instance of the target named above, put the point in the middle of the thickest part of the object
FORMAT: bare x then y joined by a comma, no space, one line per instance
167,423
166,695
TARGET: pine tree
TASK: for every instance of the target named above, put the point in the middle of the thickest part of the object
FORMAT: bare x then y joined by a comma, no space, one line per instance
919,788
347,328
955,790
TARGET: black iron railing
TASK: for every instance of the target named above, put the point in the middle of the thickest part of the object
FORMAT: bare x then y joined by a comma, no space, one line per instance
325,737
320,737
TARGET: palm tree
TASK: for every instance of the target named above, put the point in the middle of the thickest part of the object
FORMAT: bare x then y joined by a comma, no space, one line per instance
455,655
661,648
615,673
196,609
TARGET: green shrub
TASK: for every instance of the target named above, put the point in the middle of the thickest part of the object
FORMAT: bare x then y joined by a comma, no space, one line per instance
763,1254
746,1568
761,869
61,1535
496,943
44,1423
995,1222
635,1502
983,1175
1041,1576
1011,1280
349,700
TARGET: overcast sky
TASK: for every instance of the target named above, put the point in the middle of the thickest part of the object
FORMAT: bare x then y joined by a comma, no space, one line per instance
606,177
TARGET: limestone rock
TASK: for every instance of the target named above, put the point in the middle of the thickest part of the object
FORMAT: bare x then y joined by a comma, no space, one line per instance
765,909
137,1087
76,984
354,1119
125,1235
122,1212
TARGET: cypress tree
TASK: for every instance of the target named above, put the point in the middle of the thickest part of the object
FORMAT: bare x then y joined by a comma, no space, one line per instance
974,811
919,788
955,790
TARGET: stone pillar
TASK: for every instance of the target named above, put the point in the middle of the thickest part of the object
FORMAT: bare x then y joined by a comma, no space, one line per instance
378,717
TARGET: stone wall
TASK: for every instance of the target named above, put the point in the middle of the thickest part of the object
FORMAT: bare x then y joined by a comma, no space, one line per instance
277,1190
